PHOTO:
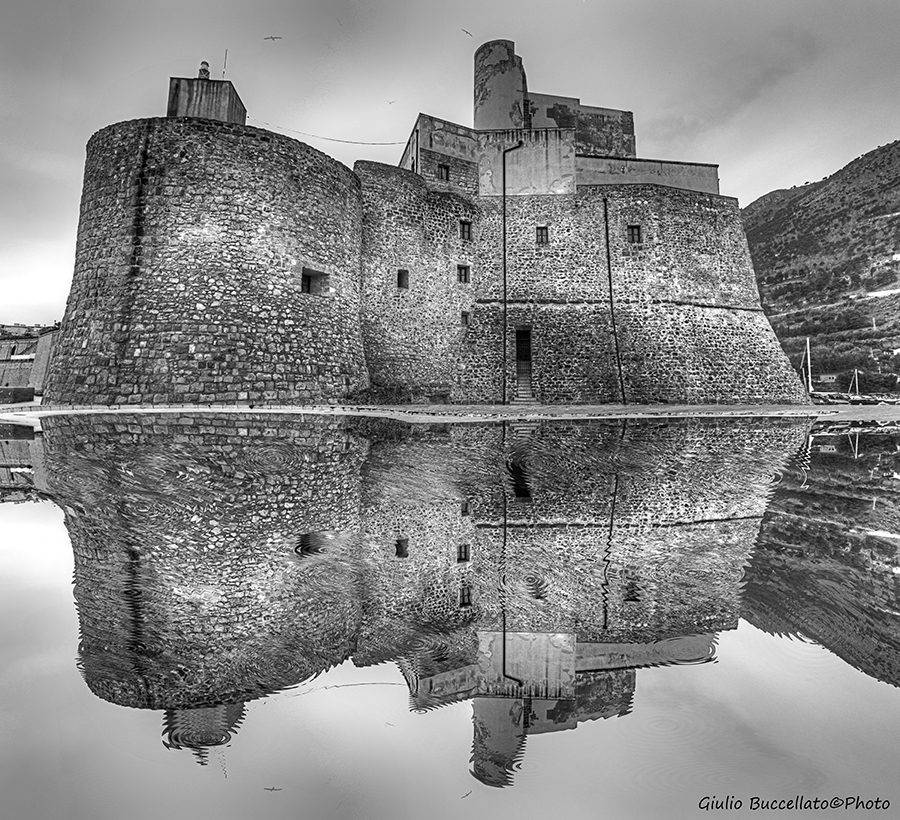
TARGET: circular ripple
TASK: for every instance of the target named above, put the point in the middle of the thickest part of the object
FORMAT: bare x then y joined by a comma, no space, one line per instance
276,457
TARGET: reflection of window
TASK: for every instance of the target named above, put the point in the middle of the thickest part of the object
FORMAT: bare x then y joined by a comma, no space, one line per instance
465,595
402,547
462,274
403,278
313,543
543,235
517,473
462,553
444,172
465,229
632,591
634,234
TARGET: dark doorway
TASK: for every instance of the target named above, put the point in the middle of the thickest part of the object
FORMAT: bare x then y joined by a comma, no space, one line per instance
523,365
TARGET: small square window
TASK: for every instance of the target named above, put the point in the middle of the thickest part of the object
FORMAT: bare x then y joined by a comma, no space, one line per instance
634,234
403,278
543,235
314,282
462,274
401,548
465,318
465,595
462,553
465,229
444,173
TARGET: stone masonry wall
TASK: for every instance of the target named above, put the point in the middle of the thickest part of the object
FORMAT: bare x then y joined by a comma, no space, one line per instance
412,334
684,300
187,284
463,173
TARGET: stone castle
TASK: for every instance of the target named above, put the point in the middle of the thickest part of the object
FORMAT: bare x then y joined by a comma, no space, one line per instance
532,257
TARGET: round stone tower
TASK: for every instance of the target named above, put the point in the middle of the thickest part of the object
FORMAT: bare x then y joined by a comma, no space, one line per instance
215,263
500,87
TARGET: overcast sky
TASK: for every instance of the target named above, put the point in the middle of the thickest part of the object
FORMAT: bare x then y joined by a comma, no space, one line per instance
777,92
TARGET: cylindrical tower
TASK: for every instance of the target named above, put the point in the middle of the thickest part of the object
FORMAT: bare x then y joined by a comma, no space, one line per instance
215,262
500,87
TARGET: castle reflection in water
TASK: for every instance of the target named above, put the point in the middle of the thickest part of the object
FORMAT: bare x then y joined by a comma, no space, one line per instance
530,567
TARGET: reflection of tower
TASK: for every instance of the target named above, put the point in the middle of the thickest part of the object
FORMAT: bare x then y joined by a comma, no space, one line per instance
216,558
501,725
199,729
597,548
500,728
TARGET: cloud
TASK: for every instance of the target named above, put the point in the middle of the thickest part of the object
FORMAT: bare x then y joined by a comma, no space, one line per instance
50,165
731,79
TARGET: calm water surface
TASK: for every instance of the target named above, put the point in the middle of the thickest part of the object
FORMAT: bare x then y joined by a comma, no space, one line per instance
284,617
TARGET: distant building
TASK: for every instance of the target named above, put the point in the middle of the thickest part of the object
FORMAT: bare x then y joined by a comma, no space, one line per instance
19,329
25,357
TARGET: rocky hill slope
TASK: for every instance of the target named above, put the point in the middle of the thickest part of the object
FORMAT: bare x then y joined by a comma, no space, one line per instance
827,259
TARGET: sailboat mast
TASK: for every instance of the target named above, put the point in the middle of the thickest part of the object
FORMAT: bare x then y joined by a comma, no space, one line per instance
808,367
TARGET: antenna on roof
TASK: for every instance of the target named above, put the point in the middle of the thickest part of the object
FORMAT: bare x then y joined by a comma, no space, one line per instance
225,63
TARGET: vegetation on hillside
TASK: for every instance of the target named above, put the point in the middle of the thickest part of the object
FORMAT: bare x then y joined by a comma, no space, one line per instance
827,260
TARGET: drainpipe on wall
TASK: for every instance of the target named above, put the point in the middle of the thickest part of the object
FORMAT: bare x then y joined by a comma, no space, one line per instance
612,306
519,144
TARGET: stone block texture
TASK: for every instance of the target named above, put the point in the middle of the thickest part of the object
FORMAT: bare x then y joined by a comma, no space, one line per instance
188,284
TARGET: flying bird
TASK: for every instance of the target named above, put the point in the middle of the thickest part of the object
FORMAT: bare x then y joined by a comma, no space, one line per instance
467,32
270,37
271,789
390,102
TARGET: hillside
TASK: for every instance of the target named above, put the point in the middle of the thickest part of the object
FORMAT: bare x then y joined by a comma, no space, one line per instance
827,259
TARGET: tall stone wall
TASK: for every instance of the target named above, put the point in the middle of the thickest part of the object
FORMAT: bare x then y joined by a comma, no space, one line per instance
691,328
188,278
412,334
684,303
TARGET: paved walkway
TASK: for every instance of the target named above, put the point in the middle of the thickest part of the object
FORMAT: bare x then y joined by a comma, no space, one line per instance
33,413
